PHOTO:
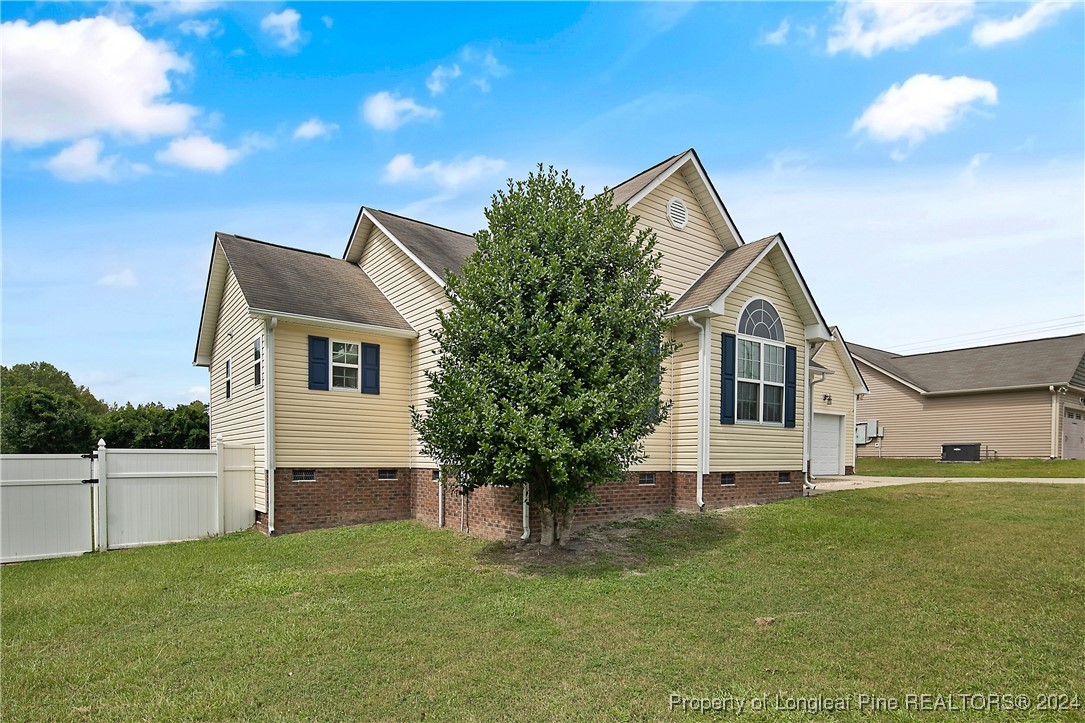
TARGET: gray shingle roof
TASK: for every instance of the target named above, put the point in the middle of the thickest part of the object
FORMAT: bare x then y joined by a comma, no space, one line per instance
1039,362
627,189
719,276
292,281
438,248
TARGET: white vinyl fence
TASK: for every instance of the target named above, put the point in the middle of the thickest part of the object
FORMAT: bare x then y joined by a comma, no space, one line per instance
54,505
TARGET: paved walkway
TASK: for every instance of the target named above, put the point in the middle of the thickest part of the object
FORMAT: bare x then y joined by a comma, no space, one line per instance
858,482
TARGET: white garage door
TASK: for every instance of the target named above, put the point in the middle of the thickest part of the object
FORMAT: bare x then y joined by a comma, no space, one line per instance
1073,435
827,440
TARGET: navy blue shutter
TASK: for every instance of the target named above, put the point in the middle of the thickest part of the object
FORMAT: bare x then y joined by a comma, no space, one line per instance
727,395
318,362
371,369
789,388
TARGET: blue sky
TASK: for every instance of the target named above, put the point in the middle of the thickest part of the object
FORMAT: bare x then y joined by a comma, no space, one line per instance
924,161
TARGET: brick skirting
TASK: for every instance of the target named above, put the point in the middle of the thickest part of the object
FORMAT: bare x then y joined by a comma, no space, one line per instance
339,496
349,496
849,469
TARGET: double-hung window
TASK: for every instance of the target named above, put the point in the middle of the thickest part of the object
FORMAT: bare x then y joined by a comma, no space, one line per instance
346,365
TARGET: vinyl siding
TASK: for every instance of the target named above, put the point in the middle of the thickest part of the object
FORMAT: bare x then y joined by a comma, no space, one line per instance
337,428
755,447
686,252
842,390
1017,424
240,419
417,297
657,446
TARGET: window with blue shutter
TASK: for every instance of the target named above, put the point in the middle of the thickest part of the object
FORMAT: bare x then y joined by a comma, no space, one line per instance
371,369
318,362
727,396
789,387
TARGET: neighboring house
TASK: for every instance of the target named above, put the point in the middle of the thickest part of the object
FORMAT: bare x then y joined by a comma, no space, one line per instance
316,362
836,386
1023,399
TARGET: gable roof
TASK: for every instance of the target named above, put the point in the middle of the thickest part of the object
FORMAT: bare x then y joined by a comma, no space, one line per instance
436,249
1020,364
708,292
293,283
720,276
842,353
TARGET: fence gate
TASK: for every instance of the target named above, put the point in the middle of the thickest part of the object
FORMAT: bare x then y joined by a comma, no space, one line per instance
55,505
47,506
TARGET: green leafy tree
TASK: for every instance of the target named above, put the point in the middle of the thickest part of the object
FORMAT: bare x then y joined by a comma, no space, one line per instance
552,352
34,420
46,376
154,426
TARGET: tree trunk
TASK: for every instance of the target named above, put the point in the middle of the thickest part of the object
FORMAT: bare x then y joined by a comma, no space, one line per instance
565,529
548,531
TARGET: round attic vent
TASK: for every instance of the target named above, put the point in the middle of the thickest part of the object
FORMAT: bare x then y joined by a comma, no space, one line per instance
677,212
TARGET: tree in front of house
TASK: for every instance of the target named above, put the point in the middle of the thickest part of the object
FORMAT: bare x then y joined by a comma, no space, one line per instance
552,351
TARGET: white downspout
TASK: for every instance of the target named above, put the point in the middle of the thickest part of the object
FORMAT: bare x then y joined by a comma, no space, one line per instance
854,421
1054,422
527,512
269,419
440,500
702,393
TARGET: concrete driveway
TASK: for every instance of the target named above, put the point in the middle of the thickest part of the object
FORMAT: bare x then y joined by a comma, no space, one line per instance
857,482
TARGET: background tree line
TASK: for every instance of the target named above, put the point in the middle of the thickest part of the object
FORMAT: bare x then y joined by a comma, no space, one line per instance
44,412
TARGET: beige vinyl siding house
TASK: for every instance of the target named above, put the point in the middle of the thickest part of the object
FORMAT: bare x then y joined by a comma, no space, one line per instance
1010,398
349,456
240,419
836,385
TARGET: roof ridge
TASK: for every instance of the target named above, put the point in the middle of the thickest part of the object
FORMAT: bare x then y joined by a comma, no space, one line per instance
981,346
424,223
649,168
274,245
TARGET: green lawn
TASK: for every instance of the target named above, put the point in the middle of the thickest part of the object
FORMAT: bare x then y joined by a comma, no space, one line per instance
1003,468
915,589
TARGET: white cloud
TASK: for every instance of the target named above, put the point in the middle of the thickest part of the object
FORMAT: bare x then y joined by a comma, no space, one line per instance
777,36
968,175
448,176
82,161
327,20
487,67
284,28
199,391
993,32
200,153
67,81
867,27
922,106
437,81
314,128
123,279
165,11
201,28
386,112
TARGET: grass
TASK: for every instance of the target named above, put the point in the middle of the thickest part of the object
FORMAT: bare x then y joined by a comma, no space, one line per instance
1003,468
933,588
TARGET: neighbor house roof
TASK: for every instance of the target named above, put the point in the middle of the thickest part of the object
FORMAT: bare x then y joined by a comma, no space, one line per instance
292,283
1021,364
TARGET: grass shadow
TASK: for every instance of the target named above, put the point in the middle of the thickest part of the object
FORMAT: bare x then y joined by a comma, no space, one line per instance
625,547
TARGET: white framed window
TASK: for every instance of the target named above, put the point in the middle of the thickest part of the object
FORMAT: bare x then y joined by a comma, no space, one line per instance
760,361
346,365
257,362
229,380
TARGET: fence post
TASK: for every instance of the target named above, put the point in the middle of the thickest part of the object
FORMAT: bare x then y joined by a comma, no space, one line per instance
220,476
103,498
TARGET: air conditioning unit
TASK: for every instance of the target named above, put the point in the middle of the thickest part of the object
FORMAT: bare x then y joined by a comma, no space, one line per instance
866,432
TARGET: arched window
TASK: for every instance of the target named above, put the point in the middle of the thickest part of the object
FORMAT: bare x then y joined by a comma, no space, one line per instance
760,361
759,318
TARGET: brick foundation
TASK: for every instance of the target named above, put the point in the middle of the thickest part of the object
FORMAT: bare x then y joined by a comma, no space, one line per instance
849,469
350,496
339,496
